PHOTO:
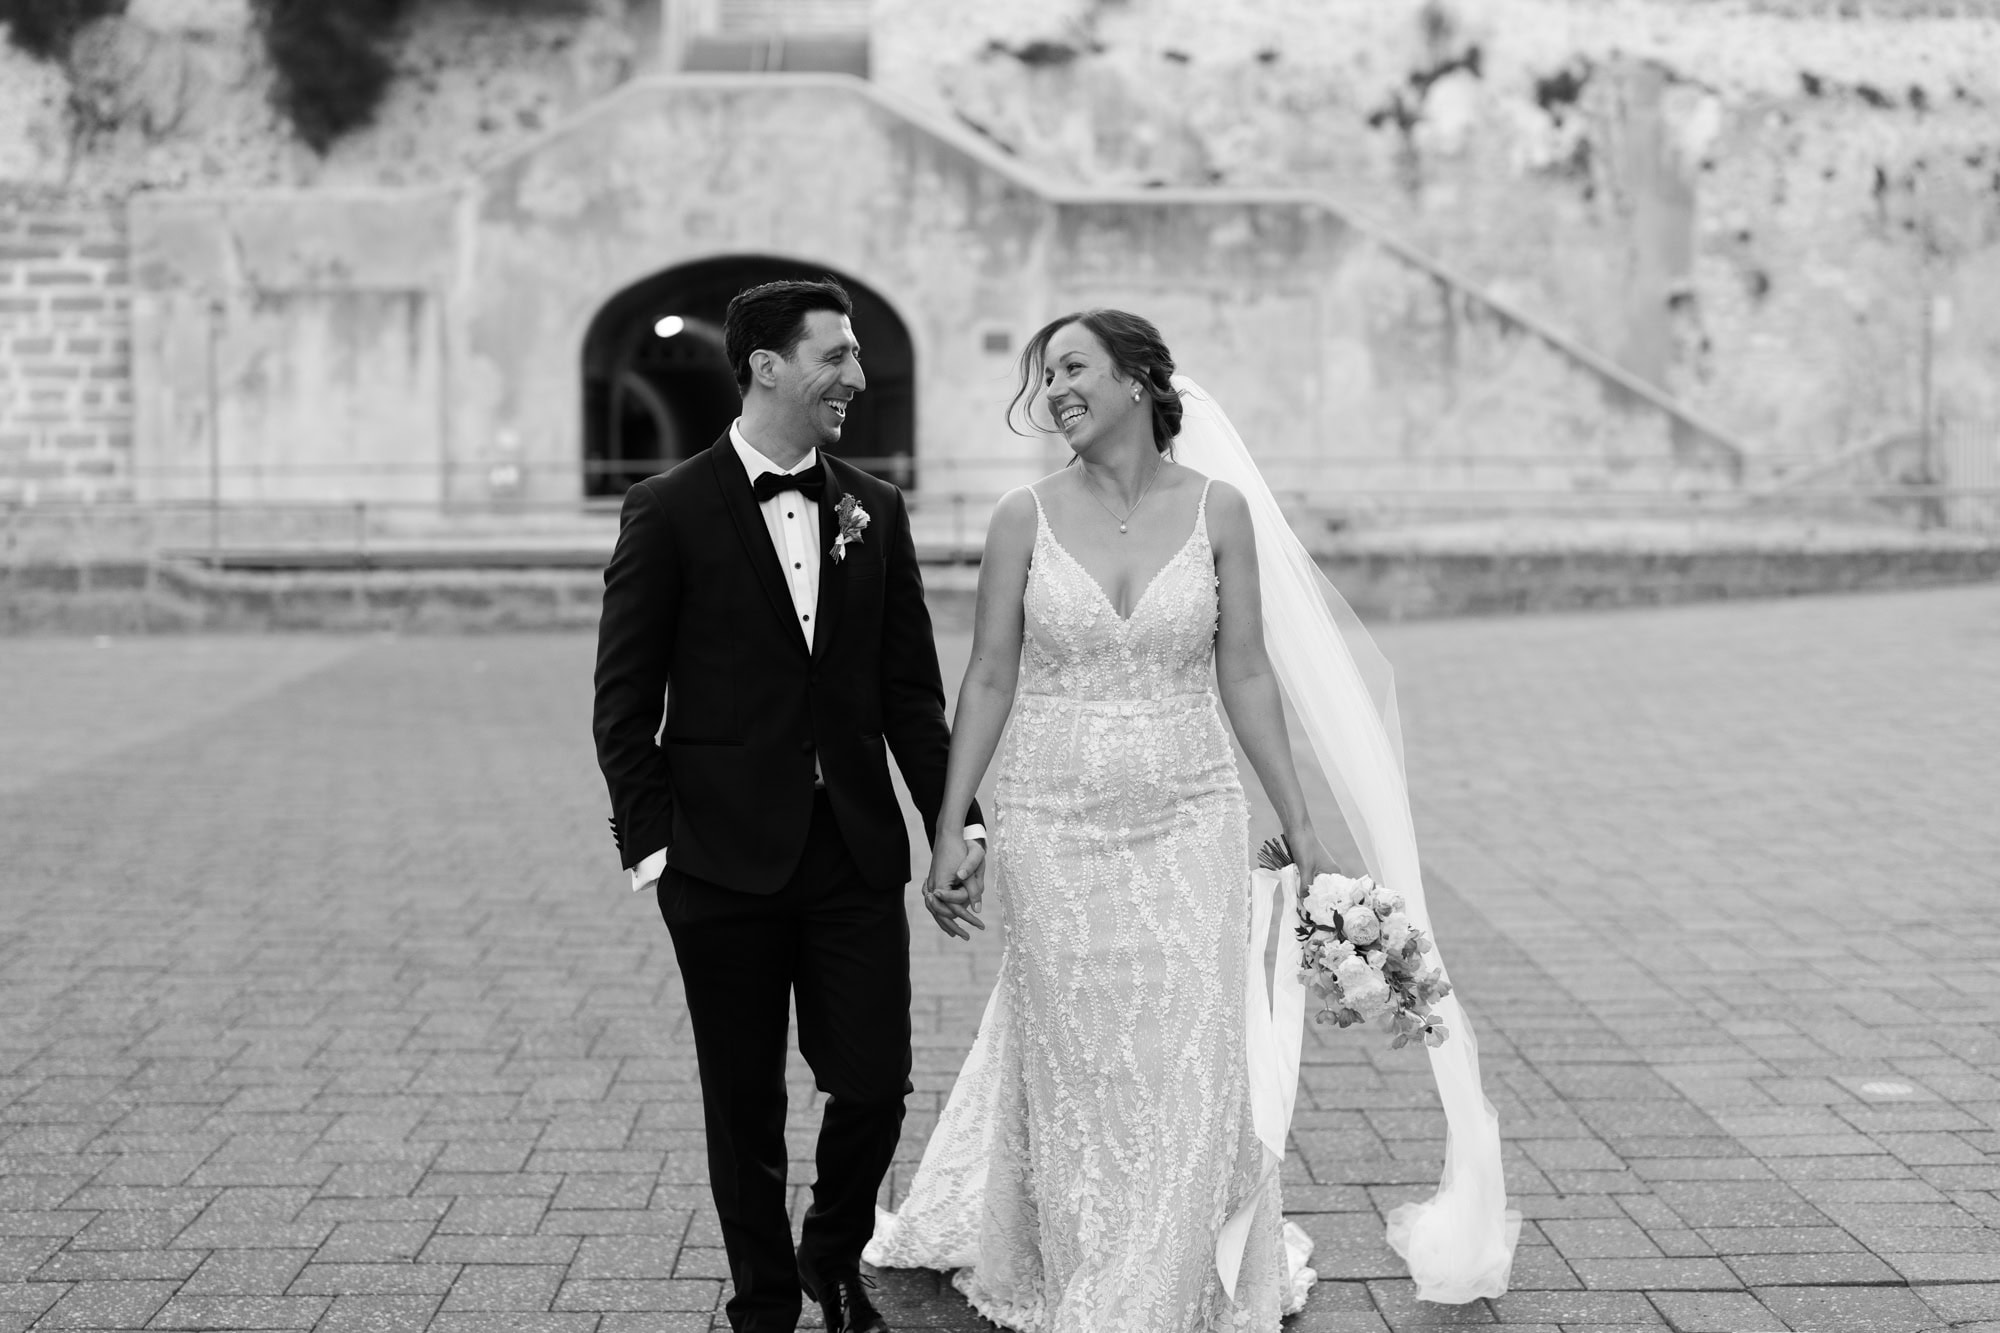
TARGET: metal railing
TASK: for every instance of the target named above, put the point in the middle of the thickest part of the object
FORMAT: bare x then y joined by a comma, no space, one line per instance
1969,454
950,513
1947,476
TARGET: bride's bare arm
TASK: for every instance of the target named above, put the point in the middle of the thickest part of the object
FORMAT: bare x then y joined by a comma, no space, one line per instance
1248,685
987,694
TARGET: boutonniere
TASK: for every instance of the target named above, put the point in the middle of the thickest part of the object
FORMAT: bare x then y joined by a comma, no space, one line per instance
853,518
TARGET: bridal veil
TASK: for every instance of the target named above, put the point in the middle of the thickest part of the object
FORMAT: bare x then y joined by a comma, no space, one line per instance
1459,1244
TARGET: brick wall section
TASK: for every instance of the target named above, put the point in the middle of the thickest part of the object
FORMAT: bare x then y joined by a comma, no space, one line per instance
65,348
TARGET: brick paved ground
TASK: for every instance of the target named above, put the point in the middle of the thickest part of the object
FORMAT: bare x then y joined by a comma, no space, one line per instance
321,1006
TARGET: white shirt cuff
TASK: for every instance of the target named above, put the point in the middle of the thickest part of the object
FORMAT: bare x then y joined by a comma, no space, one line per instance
647,873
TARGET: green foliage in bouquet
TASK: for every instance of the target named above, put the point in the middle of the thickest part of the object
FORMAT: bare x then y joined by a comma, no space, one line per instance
45,28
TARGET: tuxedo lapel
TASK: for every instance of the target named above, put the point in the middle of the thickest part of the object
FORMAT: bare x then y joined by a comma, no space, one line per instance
832,573
749,520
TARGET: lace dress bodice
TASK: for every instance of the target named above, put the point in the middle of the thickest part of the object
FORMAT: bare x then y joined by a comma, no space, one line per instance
1077,646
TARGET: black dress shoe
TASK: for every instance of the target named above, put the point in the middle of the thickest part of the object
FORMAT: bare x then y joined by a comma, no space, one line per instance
844,1301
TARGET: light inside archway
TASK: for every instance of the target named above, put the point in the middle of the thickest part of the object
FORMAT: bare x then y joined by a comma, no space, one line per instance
668,326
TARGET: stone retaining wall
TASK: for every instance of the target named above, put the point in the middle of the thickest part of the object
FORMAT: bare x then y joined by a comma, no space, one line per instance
65,348
123,596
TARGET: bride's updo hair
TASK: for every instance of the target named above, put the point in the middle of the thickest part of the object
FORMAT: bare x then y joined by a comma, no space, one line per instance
1137,350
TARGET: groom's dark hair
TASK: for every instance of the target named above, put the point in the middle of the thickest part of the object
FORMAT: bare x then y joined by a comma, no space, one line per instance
772,318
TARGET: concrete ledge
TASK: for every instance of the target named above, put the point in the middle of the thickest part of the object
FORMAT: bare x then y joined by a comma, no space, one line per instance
1406,581
1412,585
136,597
1522,565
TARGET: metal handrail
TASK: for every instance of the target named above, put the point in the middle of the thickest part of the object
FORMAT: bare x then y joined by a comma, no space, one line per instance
1793,479
1316,496
868,463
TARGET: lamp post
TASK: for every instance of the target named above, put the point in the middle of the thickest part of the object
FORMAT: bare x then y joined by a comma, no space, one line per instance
215,314
680,22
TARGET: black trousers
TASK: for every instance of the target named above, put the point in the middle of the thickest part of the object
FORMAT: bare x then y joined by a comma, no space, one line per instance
842,948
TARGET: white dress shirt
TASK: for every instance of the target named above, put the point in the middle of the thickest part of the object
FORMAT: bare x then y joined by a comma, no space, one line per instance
793,522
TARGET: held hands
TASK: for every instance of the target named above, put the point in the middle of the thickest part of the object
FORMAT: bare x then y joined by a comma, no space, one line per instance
956,883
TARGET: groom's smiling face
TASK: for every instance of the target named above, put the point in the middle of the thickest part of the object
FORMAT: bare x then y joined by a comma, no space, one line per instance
818,381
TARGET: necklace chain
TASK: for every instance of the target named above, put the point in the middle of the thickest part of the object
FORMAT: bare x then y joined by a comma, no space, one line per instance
1143,492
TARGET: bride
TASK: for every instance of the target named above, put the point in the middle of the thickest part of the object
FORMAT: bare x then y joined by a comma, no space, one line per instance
1108,1160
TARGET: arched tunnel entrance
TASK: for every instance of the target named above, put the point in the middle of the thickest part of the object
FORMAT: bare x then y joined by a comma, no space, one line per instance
657,386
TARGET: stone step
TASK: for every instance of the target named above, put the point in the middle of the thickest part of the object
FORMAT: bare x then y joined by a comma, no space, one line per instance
1383,580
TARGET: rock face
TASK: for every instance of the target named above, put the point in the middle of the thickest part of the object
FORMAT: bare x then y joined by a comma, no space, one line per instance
1757,206
176,94
1744,202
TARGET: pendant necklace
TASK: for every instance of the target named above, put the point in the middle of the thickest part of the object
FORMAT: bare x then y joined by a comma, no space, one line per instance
1135,504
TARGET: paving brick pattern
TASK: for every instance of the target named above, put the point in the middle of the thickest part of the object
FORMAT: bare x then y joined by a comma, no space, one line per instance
324,1009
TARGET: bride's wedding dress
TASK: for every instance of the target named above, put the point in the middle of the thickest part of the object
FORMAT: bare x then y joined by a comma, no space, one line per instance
1100,1132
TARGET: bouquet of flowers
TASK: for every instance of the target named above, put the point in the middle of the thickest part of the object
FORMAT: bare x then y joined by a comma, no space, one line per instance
1362,955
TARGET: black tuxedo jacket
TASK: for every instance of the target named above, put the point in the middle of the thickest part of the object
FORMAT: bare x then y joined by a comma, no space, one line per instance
697,609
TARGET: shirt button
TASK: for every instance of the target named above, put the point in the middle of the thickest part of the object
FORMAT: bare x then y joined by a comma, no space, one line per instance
805,617
795,564
790,514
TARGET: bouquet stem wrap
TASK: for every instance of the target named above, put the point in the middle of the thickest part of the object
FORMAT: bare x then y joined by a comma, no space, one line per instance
1459,1244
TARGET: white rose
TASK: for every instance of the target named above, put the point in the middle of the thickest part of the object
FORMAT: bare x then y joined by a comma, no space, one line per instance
1363,990
1342,891
1322,902
1360,924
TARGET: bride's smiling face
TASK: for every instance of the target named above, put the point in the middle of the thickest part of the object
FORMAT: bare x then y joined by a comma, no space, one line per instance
1087,397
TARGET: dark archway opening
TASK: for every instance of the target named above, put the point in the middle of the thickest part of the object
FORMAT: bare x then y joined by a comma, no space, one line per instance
657,386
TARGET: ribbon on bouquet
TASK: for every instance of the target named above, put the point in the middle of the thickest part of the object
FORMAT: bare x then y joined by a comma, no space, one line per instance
1274,1014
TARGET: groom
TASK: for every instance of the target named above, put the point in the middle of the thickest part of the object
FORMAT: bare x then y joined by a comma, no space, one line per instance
771,594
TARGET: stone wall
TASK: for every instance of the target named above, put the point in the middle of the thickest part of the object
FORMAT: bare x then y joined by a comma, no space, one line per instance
417,346
289,345
1743,203
65,348
173,96
176,94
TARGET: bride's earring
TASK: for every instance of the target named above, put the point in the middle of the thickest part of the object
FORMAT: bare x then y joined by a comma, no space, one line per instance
1135,393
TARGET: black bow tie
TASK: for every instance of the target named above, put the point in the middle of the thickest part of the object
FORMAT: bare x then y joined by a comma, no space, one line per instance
811,483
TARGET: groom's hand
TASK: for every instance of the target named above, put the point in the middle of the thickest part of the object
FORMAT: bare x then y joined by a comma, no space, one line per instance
971,873
949,906
947,897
